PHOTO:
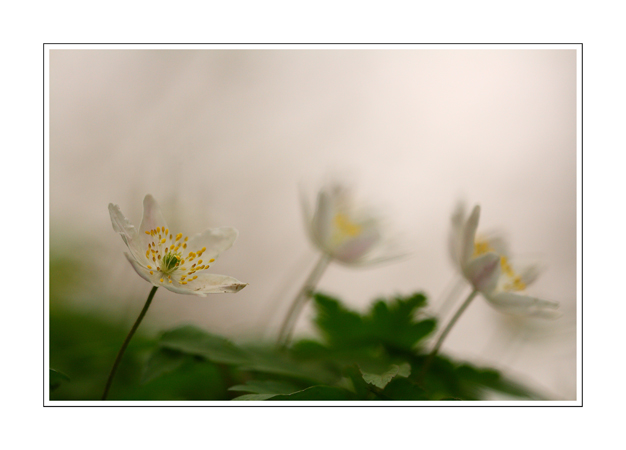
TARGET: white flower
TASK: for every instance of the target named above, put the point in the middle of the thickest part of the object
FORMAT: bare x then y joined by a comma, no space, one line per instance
484,262
177,263
345,233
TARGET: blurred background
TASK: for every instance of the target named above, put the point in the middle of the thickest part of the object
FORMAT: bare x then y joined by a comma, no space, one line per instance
228,137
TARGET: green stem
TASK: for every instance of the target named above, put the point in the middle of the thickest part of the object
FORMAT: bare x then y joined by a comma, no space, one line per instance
126,342
445,332
284,336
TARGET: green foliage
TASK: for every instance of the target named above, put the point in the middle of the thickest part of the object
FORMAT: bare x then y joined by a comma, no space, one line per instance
391,324
265,387
383,379
56,378
194,341
311,393
163,361
375,355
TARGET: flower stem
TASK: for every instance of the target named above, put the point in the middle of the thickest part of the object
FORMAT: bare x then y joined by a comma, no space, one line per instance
445,332
284,336
127,340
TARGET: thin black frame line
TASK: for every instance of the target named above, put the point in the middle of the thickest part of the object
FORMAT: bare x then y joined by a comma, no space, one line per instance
326,406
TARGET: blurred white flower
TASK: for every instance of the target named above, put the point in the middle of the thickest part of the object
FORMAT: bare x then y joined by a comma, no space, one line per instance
345,231
485,263
170,260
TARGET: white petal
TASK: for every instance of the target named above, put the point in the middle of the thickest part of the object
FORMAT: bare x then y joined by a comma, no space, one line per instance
210,283
216,240
498,243
152,217
543,313
354,249
483,271
125,229
529,272
321,225
142,271
469,234
519,304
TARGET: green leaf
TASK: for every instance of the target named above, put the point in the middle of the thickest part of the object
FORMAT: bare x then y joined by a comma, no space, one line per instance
278,363
56,379
492,379
318,393
162,361
194,341
394,324
254,397
265,387
311,393
404,389
381,380
359,386
340,326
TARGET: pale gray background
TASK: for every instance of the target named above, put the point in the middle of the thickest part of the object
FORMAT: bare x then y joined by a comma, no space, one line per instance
225,138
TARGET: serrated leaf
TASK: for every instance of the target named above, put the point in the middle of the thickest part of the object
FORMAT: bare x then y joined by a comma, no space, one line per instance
265,387
340,326
194,341
381,380
56,379
162,361
394,324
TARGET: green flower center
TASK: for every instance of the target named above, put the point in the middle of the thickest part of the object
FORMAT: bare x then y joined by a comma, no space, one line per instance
169,262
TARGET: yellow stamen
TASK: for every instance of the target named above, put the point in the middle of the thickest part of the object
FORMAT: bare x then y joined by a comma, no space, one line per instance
517,284
481,247
346,226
